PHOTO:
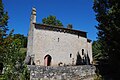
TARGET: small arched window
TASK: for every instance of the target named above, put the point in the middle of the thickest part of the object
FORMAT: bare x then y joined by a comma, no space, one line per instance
58,39
70,55
82,51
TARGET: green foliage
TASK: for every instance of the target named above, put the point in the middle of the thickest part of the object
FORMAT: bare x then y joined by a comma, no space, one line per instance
3,29
51,20
22,38
69,26
98,52
108,17
14,68
98,77
3,21
10,51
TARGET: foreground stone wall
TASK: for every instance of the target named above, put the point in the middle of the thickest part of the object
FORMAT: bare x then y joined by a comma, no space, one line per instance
83,72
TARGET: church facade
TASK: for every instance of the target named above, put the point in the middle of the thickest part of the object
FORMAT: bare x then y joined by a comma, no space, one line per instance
56,46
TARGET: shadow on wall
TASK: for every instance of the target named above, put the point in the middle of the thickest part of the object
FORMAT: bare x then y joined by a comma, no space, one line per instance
79,59
29,60
87,59
82,61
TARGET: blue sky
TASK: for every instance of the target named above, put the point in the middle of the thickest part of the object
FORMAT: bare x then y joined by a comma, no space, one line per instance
79,13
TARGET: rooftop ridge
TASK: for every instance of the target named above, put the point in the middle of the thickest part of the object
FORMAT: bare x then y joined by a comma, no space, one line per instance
60,29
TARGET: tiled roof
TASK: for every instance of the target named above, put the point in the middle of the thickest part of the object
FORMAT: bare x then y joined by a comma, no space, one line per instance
60,29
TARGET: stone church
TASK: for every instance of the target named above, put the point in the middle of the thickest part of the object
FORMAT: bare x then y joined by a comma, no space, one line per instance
56,46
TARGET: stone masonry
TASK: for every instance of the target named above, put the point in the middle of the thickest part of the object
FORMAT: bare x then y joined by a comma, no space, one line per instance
51,46
84,72
56,53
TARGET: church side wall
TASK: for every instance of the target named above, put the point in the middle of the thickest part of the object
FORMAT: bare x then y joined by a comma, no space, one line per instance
58,45
90,51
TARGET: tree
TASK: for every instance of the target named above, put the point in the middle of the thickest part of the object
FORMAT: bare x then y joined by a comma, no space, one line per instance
108,17
97,52
22,38
3,20
69,26
51,20
10,56
13,60
3,28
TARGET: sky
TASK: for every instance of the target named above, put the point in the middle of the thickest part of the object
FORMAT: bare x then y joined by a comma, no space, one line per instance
79,13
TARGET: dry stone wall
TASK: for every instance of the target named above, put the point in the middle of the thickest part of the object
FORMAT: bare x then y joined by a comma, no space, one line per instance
83,72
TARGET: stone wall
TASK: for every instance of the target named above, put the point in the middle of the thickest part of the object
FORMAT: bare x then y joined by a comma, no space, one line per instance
62,46
83,72
30,34
59,46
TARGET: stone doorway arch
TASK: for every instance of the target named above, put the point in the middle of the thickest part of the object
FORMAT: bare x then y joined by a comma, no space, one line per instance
47,60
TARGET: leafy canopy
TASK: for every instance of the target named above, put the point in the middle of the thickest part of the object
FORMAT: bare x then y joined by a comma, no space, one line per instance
3,20
52,20
108,17
11,58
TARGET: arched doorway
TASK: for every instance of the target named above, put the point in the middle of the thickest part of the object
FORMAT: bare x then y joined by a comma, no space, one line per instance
47,60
